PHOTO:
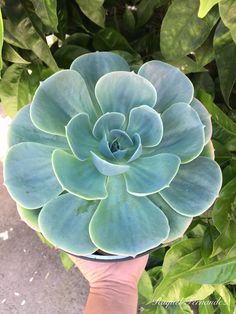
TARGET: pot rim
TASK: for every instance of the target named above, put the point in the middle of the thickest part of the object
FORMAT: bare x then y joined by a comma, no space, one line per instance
112,258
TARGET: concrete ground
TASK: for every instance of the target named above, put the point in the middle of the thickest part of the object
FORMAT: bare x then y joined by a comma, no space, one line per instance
32,278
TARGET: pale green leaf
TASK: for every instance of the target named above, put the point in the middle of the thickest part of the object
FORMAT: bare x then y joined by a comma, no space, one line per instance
205,7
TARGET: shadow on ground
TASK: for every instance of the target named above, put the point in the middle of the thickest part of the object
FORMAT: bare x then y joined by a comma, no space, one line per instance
32,279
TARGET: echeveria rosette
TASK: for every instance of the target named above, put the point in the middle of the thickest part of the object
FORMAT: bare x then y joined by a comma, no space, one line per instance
117,161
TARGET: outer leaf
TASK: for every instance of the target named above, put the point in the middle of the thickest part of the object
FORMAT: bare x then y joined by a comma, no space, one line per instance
149,175
147,123
72,216
217,114
225,55
228,15
29,216
10,54
14,88
195,187
66,261
78,177
58,99
171,85
29,176
183,133
80,137
47,12
110,228
223,215
189,32
205,7
20,31
94,65
23,130
205,118
106,168
178,223
1,39
94,10
115,92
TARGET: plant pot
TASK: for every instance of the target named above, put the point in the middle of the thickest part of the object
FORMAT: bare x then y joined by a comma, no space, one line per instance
103,257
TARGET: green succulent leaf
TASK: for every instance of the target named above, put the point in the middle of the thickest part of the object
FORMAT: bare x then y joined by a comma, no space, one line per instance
149,175
107,168
58,99
92,66
171,85
108,122
80,178
110,228
204,116
29,176
72,216
147,123
80,137
195,187
29,216
183,133
177,222
23,130
138,149
115,92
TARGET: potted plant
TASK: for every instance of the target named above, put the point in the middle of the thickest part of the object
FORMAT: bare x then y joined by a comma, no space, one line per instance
108,160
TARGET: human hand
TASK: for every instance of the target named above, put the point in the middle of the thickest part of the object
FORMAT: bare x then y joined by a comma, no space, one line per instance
113,285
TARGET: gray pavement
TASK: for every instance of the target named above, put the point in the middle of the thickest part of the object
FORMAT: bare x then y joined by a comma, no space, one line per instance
32,278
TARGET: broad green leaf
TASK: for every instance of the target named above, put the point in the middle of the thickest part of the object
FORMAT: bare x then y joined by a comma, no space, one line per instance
205,54
29,176
65,55
107,122
107,168
171,85
178,223
70,232
149,175
116,211
205,7
147,123
94,10
218,272
92,66
145,10
145,289
223,215
66,261
181,124
20,31
128,20
14,88
80,137
207,241
47,12
115,92
188,65
110,39
80,178
206,307
203,178
225,55
217,114
23,130
58,99
227,302
228,15
1,39
189,32
205,118
29,216
10,54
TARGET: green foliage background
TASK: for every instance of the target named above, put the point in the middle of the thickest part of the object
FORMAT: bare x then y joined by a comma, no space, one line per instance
39,37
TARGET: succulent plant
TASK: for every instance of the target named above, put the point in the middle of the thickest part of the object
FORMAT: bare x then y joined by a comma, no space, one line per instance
108,159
